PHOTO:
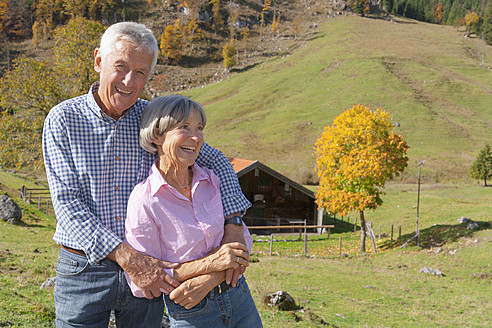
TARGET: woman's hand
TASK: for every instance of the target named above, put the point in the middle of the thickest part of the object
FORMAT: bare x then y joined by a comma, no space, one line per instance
228,256
193,290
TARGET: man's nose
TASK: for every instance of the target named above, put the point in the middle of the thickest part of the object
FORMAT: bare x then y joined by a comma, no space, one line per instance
129,78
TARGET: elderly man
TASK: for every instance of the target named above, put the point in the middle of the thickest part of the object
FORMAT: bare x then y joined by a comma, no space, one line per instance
93,160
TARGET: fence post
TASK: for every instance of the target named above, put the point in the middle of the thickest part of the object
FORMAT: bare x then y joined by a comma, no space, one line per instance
391,233
23,193
399,233
379,232
355,225
271,244
47,205
305,239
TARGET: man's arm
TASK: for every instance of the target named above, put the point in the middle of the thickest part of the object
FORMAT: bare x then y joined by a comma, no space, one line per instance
74,218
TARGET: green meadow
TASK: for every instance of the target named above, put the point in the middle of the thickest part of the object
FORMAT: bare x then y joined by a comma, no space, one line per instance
432,82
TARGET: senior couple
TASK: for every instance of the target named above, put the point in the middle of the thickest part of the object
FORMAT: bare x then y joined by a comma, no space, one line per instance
148,215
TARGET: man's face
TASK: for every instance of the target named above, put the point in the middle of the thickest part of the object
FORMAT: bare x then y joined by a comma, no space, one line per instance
122,76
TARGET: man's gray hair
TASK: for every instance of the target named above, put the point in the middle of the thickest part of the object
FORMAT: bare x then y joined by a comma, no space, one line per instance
138,34
163,114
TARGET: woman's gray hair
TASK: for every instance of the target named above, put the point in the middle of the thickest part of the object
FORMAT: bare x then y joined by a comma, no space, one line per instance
138,34
163,114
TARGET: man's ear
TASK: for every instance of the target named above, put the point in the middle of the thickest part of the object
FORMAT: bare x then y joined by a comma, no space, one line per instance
97,60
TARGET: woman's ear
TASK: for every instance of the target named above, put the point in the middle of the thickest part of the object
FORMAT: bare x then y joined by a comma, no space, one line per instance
159,141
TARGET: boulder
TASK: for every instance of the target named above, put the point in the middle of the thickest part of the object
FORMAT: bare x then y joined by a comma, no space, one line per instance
282,300
463,220
431,271
49,283
9,210
472,226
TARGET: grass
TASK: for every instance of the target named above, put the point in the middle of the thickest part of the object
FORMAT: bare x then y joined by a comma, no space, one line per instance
360,290
428,78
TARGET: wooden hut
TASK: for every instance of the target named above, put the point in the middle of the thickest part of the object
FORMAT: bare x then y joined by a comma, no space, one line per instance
276,199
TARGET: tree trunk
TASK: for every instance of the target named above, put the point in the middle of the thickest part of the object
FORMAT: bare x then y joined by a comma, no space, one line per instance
362,232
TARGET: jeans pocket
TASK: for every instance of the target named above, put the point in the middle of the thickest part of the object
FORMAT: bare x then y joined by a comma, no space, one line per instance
71,264
177,311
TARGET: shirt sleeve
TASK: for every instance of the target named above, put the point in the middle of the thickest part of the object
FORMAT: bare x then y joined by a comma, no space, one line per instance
81,228
142,233
233,199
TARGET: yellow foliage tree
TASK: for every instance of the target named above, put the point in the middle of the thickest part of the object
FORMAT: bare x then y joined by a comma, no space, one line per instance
75,43
228,53
471,19
355,157
172,42
31,88
438,12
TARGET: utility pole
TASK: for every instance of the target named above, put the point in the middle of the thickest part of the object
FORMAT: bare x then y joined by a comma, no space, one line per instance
417,231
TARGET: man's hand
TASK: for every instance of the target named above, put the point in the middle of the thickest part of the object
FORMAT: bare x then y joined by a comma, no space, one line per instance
233,233
193,290
145,271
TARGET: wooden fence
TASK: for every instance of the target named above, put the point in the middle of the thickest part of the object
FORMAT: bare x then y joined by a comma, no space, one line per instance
39,196
301,227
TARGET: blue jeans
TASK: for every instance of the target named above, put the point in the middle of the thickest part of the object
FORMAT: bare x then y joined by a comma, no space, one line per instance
233,308
85,295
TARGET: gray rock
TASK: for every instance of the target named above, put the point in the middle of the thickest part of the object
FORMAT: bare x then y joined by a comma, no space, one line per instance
282,300
463,220
49,283
472,226
9,210
431,271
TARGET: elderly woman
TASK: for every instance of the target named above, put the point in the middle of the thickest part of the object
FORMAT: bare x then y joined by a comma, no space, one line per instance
176,215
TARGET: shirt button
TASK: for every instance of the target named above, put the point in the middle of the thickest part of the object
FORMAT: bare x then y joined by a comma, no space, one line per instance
117,188
117,158
118,218
196,212
117,127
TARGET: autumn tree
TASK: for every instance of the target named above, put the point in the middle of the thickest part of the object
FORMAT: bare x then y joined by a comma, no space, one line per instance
74,48
355,157
32,87
438,12
471,19
482,166
218,21
172,42
228,53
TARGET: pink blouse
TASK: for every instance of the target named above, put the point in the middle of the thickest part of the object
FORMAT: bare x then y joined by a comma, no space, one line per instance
163,223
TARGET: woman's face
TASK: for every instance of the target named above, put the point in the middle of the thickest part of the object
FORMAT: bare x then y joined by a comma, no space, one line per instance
182,144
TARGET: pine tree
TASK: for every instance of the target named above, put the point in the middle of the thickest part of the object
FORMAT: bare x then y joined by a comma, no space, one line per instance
482,166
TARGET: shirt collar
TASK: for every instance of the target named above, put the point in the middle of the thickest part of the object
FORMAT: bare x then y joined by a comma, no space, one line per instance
95,107
157,180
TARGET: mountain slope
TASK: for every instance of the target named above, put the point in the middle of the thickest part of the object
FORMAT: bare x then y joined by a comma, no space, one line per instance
427,76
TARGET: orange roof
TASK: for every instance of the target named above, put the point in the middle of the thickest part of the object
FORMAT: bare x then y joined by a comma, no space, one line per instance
238,163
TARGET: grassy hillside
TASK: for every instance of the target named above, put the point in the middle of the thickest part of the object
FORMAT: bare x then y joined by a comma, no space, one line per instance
427,76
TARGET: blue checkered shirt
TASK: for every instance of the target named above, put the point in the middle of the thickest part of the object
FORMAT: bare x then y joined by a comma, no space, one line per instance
93,162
